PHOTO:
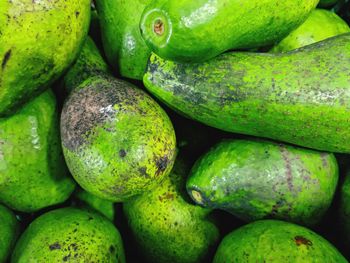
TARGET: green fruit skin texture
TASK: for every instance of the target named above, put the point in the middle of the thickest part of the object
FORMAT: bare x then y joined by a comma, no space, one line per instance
88,200
167,227
301,97
345,208
8,232
72,235
195,31
260,179
276,241
320,25
33,174
39,40
117,141
122,41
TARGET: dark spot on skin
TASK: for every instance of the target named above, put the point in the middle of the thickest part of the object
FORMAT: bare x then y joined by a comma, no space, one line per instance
74,246
300,240
166,196
122,153
90,218
66,258
77,14
143,171
6,59
162,164
111,249
55,246
158,27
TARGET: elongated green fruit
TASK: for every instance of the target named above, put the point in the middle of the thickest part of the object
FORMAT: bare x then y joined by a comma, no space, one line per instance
276,241
301,97
9,231
124,46
260,179
39,40
192,31
117,141
320,25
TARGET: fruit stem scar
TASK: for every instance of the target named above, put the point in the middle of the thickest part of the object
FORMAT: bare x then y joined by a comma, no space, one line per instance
197,196
158,27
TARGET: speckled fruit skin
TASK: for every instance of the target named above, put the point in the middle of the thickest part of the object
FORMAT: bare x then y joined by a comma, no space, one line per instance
117,141
301,97
345,209
261,179
193,31
122,41
33,174
320,25
39,40
8,232
167,227
70,235
276,241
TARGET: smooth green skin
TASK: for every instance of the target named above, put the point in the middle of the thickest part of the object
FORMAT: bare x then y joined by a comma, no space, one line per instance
33,174
89,63
88,200
167,227
320,25
345,208
327,3
72,235
260,179
196,31
276,241
124,47
117,141
301,97
48,38
9,231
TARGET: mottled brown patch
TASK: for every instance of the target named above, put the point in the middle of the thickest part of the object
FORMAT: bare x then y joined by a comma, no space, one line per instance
122,153
166,196
55,246
6,59
287,160
158,27
300,240
162,164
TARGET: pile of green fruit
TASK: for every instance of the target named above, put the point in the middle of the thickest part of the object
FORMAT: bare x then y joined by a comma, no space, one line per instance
174,131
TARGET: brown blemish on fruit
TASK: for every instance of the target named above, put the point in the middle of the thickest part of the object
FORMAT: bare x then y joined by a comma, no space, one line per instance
162,164
166,196
6,59
158,27
55,246
300,240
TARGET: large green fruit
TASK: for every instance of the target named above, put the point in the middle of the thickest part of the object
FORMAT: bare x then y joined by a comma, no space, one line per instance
260,179
276,241
167,227
70,235
301,97
117,141
33,174
125,48
9,230
38,41
192,31
320,25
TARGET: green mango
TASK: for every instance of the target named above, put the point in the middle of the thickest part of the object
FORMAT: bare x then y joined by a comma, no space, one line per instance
38,41
276,241
194,31
70,235
327,3
9,231
33,174
320,25
345,209
301,97
260,179
86,200
117,141
125,49
167,227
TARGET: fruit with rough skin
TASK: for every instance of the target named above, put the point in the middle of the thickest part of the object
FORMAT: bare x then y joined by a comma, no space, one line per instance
301,97
260,179
39,40
9,231
276,241
33,174
70,234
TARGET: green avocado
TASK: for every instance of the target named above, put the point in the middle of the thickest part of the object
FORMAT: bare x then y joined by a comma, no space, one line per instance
167,227
320,25
33,174
70,235
117,141
193,31
260,179
345,209
301,97
86,200
276,241
38,42
124,47
9,231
